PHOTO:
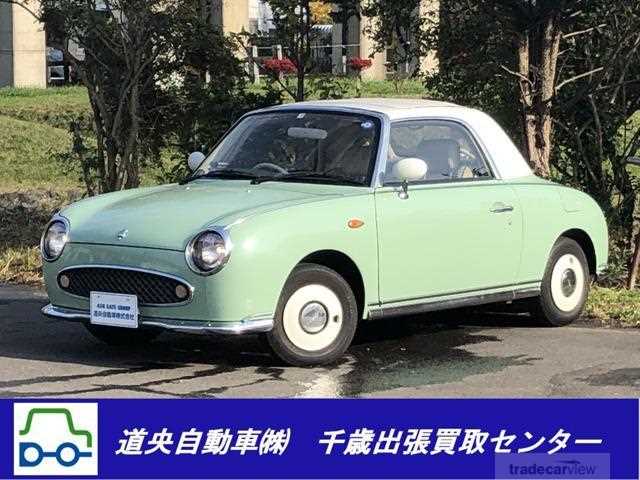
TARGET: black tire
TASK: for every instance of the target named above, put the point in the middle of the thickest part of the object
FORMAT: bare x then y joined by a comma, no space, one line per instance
307,275
120,337
544,308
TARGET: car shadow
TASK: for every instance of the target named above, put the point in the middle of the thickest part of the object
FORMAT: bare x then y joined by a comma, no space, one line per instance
428,349
397,352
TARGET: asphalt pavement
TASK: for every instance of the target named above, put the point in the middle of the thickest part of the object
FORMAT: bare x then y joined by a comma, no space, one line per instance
457,354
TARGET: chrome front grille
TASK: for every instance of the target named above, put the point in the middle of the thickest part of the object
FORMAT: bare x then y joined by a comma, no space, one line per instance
151,288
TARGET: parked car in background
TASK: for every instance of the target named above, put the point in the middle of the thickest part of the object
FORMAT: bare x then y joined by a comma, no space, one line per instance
60,72
308,219
55,67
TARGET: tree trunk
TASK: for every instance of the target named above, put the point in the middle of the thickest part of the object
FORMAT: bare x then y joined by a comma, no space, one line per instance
537,92
300,86
538,131
635,263
302,59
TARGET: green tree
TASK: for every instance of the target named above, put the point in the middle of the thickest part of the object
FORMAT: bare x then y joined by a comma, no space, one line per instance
403,28
534,49
597,119
159,75
562,77
122,44
294,21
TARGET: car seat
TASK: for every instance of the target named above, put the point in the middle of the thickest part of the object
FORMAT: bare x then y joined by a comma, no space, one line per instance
441,155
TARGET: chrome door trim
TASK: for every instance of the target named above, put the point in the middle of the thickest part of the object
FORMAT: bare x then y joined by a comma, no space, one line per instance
382,311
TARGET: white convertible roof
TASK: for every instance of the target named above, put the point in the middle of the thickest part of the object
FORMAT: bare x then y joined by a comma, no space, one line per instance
505,157
392,107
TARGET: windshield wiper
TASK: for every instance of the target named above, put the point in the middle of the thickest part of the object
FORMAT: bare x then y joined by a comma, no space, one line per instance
306,175
226,173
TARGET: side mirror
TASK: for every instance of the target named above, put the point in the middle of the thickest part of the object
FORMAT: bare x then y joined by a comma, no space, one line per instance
410,169
194,160
633,161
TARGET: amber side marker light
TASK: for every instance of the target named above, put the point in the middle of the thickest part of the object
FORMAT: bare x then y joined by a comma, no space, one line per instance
355,223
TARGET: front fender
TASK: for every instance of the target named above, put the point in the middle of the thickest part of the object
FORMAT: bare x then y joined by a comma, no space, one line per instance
267,247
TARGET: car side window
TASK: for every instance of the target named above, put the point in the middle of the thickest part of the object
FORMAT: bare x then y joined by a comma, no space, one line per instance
447,149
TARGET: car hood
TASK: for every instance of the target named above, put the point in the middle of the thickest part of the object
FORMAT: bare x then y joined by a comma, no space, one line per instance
168,216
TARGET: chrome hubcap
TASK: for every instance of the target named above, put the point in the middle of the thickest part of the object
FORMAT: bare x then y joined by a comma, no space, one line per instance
568,282
313,317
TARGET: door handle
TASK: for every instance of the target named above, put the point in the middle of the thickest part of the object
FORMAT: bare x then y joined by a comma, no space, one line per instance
500,207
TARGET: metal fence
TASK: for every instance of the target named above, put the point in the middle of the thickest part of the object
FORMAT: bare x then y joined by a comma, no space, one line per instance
330,58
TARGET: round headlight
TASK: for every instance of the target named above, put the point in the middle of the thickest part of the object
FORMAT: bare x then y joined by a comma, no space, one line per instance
54,239
208,252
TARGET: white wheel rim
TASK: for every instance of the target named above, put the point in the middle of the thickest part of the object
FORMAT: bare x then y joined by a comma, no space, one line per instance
567,282
299,302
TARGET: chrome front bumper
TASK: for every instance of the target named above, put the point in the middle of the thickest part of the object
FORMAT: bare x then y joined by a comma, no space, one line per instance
257,324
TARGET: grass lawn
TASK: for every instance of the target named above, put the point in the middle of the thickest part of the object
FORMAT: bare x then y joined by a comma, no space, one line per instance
370,88
61,97
51,106
26,155
21,265
614,307
384,88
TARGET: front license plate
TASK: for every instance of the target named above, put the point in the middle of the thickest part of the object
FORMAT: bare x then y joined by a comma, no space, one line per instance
114,310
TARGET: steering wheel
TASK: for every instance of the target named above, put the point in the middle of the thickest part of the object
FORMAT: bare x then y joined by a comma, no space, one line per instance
466,157
269,166
467,167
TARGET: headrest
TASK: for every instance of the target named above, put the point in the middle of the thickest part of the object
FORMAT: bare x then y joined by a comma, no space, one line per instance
441,147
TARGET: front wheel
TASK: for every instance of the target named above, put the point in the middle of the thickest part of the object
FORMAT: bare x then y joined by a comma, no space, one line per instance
565,285
316,317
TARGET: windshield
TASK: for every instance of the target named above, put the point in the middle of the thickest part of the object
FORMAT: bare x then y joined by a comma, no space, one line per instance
324,147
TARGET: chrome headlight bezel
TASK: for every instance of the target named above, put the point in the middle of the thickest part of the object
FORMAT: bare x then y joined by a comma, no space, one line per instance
44,250
195,265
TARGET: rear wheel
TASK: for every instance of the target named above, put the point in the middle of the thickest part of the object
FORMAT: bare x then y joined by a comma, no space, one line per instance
565,285
121,336
316,317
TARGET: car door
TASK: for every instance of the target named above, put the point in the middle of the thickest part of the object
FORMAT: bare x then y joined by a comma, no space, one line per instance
457,230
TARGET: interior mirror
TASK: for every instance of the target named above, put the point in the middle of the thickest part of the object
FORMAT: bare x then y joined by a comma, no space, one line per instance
409,169
194,160
633,161
307,133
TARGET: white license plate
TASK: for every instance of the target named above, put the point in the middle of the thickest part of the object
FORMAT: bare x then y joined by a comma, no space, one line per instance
114,310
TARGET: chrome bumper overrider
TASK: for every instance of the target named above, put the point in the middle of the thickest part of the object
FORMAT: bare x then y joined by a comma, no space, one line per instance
256,324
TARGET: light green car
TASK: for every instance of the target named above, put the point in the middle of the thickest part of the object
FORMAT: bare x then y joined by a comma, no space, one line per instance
310,218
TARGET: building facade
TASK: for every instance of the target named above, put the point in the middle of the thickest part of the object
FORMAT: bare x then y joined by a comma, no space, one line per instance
23,59
336,41
23,52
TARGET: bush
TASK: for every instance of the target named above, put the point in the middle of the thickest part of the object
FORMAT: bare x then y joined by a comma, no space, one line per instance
614,307
24,215
21,265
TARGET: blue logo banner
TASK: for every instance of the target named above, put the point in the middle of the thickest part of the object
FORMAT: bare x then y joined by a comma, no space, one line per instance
318,438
